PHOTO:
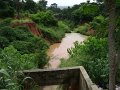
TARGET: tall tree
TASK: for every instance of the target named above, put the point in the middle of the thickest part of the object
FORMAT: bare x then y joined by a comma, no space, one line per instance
112,51
17,7
5,9
42,4
30,5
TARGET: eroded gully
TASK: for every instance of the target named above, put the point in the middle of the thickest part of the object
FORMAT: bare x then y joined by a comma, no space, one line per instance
59,50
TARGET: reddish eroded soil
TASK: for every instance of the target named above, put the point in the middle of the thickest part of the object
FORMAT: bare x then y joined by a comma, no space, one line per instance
32,27
90,32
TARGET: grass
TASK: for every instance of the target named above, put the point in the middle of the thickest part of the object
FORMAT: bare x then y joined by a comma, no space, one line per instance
21,21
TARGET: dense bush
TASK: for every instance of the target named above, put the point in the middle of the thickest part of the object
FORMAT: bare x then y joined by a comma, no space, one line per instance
12,62
9,12
24,42
8,32
23,46
5,22
46,18
99,25
5,10
92,54
56,33
82,29
3,42
86,12
18,33
24,51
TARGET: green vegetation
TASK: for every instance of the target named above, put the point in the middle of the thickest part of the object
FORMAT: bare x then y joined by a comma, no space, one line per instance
52,29
6,10
21,21
99,24
86,12
20,49
82,29
46,18
92,54
12,62
54,33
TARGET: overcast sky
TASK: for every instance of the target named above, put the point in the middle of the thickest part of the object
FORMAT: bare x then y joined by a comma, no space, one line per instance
64,2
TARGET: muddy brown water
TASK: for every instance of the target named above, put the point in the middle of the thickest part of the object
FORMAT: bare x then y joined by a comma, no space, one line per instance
59,50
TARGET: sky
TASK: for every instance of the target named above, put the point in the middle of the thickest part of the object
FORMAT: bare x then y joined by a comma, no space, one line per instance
64,2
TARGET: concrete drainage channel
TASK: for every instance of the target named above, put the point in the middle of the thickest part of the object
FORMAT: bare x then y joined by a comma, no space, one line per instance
75,78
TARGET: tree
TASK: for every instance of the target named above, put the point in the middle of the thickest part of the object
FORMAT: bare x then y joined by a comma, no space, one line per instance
30,5
86,12
42,4
99,1
112,51
17,7
5,9
45,17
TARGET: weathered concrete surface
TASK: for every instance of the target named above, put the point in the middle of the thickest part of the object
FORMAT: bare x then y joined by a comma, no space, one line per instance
85,81
75,78
52,77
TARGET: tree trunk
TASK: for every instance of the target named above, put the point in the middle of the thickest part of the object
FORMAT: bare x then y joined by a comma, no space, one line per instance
112,51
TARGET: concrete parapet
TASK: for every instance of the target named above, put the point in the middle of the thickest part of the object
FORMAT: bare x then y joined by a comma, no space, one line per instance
75,77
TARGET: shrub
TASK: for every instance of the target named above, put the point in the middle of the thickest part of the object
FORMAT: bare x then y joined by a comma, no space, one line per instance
19,33
86,12
82,29
12,62
92,54
38,44
23,40
99,25
5,9
5,22
51,34
63,26
8,12
56,33
8,32
50,31
23,46
46,18
42,59
26,52
99,19
3,42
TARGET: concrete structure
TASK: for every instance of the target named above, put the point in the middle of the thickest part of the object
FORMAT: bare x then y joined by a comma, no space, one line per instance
75,78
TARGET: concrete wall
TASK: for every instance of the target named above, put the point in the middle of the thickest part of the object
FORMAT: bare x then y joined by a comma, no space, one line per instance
75,77
85,82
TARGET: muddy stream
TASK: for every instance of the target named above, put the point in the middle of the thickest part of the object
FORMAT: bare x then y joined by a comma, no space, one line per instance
59,50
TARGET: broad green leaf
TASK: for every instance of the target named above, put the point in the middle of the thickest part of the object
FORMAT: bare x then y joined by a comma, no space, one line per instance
3,71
